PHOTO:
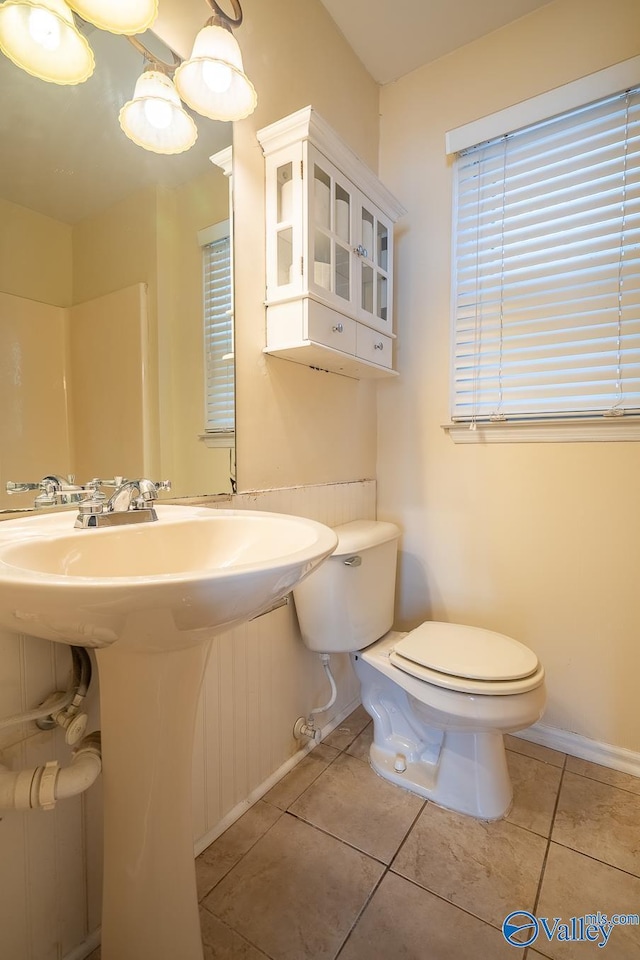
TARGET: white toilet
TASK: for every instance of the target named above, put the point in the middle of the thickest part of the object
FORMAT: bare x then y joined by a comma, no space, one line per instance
441,696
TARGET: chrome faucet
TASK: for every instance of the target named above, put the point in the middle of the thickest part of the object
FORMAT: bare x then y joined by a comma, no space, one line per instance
132,502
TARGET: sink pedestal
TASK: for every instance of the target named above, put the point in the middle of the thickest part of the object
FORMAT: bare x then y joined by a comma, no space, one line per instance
148,704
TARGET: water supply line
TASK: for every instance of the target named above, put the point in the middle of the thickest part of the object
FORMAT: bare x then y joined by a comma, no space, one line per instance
307,727
62,708
325,658
41,787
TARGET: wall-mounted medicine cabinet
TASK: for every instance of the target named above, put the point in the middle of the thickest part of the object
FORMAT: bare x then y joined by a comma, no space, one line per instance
329,251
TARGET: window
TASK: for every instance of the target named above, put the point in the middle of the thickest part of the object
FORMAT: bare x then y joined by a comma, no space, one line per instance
547,269
218,333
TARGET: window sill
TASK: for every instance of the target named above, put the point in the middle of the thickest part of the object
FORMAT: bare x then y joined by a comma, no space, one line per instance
578,430
227,440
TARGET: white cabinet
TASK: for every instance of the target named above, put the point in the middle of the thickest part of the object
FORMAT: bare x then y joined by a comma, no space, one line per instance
329,246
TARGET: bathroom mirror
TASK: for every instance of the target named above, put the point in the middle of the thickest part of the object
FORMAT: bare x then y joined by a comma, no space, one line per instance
101,286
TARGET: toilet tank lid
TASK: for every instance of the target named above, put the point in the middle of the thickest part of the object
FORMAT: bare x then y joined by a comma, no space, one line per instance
359,535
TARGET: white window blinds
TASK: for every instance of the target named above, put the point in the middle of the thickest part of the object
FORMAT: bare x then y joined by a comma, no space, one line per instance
547,268
218,337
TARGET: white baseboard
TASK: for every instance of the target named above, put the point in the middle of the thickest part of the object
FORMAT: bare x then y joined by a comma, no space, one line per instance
203,842
606,754
86,947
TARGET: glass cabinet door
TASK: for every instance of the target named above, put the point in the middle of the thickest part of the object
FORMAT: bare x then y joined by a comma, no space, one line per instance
330,205
373,252
284,272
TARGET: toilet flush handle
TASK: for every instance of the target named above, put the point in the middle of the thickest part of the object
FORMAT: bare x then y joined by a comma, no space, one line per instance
353,561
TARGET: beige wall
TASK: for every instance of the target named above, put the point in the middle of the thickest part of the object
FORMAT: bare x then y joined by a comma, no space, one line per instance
295,425
540,541
34,395
35,287
35,256
115,249
108,349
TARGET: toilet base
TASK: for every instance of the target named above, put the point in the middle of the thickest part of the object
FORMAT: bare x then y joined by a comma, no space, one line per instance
470,775
444,745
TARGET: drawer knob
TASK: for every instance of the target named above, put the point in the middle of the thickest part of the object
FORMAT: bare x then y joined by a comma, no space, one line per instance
378,346
338,328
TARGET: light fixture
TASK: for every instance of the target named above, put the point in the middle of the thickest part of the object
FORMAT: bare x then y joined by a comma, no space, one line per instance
118,16
41,37
155,118
212,81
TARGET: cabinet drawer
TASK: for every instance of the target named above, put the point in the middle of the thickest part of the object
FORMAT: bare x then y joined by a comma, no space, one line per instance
330,328
374,347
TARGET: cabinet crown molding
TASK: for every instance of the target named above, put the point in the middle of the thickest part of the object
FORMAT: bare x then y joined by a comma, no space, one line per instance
307,124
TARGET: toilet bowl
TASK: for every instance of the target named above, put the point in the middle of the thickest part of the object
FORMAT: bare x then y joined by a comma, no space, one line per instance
441,696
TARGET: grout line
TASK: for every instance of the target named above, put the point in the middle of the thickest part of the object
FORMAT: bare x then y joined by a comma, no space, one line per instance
605,863
234,865
408,833
606,783
361,912
547,763
302,792
548,849
346,843
236,933
451,903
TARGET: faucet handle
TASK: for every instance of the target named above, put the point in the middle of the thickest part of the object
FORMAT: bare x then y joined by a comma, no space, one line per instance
13,487
162,484
102,482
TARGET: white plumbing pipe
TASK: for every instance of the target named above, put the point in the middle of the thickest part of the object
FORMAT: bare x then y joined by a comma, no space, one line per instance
325,657
41,787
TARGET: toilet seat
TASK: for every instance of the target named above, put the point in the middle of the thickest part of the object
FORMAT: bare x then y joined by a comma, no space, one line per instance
468,659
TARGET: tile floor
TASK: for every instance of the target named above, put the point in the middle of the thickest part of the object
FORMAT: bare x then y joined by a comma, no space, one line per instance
335,863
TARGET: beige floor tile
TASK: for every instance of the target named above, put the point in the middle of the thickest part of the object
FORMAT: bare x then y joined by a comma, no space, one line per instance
535,750
297,893
573,885
216,861
604,774
535,791
404,922
354,804
342,736
360,746
220,942
489,869
600,821
304,773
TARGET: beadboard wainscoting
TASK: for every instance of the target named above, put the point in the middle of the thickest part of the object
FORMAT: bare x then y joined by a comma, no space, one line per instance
259,679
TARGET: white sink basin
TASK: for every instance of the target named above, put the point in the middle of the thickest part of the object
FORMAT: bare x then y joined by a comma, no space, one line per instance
153,586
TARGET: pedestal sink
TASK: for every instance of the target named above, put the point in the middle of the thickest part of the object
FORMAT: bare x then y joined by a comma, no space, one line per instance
149,597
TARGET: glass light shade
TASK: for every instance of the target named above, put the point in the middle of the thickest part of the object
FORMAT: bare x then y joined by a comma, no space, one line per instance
155,118
118,16
212,81
40,36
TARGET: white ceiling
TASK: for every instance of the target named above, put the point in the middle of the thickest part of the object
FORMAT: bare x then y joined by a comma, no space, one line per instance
394,37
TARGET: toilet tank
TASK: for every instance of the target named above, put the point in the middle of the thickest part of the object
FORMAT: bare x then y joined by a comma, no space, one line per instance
347,602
